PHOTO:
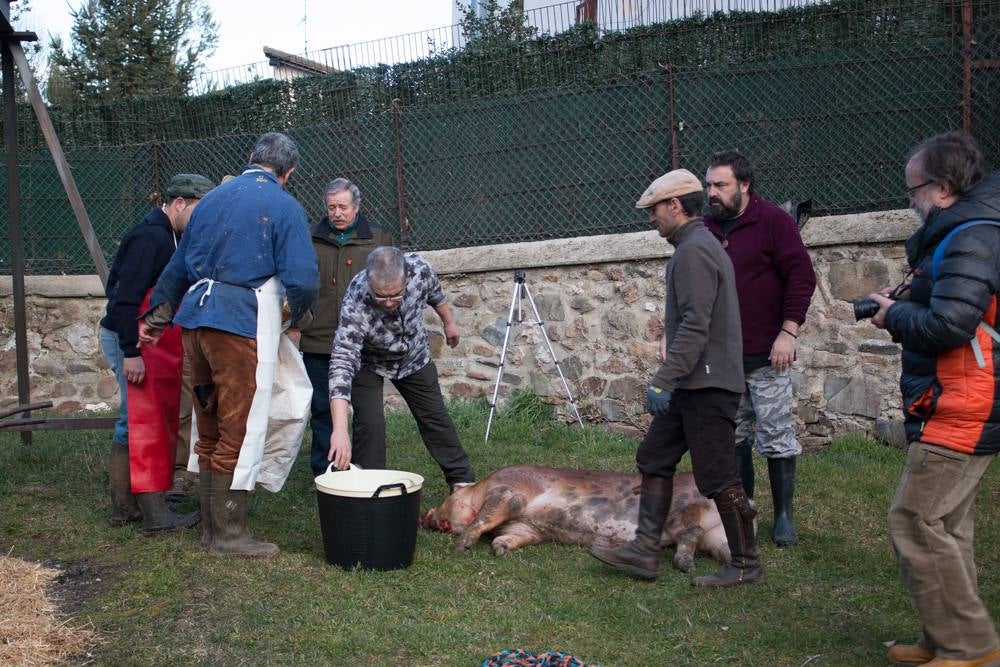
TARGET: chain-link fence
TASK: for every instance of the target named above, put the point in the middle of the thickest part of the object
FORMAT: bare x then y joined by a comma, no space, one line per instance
559,136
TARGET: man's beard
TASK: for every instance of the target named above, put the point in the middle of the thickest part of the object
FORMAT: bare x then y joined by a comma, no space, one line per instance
722,212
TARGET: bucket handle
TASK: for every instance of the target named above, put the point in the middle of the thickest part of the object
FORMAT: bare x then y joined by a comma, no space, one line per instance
386,487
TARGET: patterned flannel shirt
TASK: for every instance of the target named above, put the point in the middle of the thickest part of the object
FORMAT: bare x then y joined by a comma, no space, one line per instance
392,344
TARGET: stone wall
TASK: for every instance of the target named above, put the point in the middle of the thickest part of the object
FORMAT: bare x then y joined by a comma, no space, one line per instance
601,301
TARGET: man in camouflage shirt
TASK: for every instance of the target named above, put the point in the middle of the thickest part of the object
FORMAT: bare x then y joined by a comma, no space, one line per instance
381,335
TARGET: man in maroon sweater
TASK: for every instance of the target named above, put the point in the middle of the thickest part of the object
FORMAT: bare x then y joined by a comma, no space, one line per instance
775,282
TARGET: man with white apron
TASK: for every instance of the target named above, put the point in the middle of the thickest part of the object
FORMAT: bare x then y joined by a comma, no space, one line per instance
247,250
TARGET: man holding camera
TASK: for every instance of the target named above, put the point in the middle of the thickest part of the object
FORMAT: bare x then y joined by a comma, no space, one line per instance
944,320
775,281
694,394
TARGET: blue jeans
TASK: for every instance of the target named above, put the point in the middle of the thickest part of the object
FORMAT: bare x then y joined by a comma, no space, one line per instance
116,360
318,370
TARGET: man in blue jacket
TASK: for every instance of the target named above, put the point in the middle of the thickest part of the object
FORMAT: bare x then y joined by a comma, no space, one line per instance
246,249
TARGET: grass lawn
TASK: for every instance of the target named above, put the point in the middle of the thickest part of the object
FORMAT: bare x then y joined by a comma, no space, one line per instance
833,600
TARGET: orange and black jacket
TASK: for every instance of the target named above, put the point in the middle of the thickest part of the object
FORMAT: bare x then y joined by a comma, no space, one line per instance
948,399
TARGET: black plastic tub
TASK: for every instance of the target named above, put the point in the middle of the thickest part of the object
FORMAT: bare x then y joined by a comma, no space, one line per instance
369,517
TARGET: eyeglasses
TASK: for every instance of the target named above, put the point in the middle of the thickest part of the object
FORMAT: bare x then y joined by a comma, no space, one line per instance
910,191
378,298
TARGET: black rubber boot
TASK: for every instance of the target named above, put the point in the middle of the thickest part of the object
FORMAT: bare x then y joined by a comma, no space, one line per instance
737,519
230,536
641,556
158,518
782,474
124,508
744,463
205,496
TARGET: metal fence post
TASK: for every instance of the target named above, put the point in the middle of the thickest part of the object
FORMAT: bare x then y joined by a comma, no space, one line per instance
967,67
675,158
404,224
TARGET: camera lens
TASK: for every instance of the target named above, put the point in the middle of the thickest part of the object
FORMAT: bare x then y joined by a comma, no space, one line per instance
864,308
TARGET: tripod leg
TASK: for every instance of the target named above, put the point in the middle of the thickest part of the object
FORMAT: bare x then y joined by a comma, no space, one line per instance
515,302
548,343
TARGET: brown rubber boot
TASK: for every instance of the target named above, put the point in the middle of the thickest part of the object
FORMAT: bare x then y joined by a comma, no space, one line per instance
205,495
158,518
641,556
124,508
909,654
230,536
737,519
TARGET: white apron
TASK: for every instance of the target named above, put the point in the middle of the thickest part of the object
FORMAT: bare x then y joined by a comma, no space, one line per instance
272,441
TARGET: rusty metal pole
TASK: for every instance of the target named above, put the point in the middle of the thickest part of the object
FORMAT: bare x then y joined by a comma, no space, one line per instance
14,226
404,223
675,158
967,67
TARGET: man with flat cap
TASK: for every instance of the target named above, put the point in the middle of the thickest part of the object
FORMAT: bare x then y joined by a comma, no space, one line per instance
149,379
694,394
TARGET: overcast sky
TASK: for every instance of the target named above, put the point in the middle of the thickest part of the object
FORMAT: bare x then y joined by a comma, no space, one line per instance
246,26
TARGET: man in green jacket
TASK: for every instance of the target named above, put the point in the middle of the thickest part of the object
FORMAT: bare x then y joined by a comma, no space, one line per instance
343,240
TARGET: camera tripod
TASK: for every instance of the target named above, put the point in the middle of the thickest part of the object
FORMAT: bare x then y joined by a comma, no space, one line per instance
521,291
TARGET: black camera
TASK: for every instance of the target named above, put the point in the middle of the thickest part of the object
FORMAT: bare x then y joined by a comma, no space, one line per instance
864,308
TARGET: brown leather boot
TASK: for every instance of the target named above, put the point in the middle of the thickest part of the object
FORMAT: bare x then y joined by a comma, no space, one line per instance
909,654
124,508
230,536
737,519
158,518
205,496
641,556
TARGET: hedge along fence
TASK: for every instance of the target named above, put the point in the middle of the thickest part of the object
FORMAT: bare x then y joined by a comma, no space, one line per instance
554,137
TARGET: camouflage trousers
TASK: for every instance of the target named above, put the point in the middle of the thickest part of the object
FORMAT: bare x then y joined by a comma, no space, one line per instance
764,419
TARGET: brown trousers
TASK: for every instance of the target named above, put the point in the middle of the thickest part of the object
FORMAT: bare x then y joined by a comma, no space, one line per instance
931,524
223,376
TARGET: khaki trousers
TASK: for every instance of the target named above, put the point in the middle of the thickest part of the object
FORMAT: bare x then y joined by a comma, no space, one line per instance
184,424
931,524
224,379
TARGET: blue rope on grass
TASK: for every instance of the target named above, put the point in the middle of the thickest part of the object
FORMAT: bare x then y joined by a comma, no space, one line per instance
518,658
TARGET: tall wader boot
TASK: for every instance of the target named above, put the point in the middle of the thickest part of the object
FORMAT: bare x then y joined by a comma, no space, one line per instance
158,518
124,508
230,536
782,474
737,519
641,556
744,463
205,496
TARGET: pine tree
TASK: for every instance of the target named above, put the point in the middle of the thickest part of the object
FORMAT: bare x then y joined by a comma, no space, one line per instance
126,48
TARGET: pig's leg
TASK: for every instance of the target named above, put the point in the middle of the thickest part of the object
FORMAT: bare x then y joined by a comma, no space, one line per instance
686,544
515,536
499,505
714,543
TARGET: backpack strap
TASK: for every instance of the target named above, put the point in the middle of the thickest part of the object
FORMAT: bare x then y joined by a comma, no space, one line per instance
943,245
936,260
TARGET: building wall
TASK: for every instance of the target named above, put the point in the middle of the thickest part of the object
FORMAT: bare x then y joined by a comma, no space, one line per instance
601,301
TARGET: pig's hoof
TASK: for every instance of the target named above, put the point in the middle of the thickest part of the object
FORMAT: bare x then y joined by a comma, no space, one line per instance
684,562
500,550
